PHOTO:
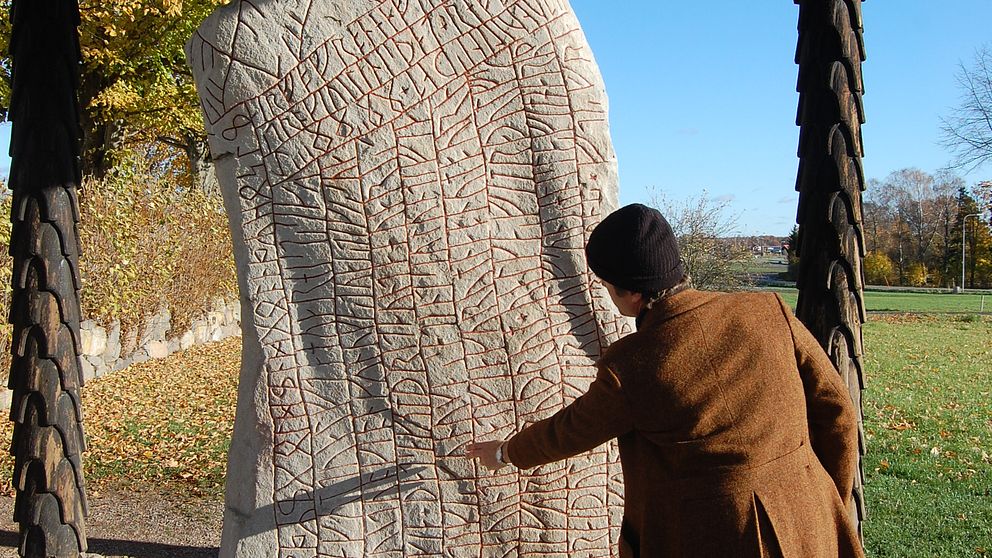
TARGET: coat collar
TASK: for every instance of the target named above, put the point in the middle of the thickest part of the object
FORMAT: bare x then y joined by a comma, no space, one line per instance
669,307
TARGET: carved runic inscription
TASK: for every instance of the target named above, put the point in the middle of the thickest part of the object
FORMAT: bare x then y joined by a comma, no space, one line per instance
410,184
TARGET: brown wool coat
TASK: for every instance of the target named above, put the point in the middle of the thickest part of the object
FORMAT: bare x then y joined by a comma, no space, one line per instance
737,436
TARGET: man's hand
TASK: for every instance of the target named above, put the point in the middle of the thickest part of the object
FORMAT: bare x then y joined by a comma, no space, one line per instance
485,452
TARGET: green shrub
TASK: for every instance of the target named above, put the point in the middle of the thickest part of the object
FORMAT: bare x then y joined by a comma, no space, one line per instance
146,243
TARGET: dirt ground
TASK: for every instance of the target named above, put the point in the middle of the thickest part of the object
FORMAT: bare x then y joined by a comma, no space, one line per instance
137,525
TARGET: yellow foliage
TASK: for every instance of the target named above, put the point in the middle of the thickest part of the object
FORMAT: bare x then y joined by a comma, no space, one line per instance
166,424
6,271
120,96
878,268
917,275
134,71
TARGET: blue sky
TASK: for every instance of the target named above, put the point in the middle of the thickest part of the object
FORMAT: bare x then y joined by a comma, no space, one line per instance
703,95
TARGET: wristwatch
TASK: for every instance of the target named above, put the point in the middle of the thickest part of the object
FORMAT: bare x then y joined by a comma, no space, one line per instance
499,454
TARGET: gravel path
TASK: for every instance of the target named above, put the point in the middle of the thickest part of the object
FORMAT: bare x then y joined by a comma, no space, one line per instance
137,525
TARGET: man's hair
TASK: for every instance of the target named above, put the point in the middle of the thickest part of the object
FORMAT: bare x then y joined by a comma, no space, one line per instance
652,298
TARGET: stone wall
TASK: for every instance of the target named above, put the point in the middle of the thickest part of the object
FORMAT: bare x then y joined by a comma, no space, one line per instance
104,350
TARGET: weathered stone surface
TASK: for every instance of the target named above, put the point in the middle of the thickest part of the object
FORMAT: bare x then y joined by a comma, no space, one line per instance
410,185
89,369
201,332
157,349
92,339
86,337
98,341
187,340
156,327
139,356
113,351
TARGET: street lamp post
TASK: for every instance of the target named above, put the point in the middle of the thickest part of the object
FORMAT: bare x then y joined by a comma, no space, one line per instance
964,229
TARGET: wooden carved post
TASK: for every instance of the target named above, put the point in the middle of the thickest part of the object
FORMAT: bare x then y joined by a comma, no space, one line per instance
830,182
45,374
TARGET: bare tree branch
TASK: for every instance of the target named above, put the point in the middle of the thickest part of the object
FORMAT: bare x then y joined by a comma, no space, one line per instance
968,130
712,256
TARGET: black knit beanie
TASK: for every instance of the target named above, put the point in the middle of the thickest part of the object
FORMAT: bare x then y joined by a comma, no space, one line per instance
634,248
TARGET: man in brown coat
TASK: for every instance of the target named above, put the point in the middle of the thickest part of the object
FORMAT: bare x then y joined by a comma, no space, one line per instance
737,436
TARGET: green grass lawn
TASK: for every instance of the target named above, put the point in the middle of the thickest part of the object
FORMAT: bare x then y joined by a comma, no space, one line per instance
928,421
918,302
771,263
890,301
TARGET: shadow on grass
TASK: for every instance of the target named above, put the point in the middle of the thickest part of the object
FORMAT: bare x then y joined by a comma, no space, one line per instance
138,549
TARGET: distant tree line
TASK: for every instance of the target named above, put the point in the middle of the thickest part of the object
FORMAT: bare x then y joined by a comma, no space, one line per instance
914,225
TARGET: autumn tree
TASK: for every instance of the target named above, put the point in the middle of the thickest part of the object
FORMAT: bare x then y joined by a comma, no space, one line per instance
878,268
968,129
881,222
875,217
983,194
793,256
914,196
136,90
948,186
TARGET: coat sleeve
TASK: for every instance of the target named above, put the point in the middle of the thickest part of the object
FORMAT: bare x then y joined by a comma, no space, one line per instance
833,425
597,416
